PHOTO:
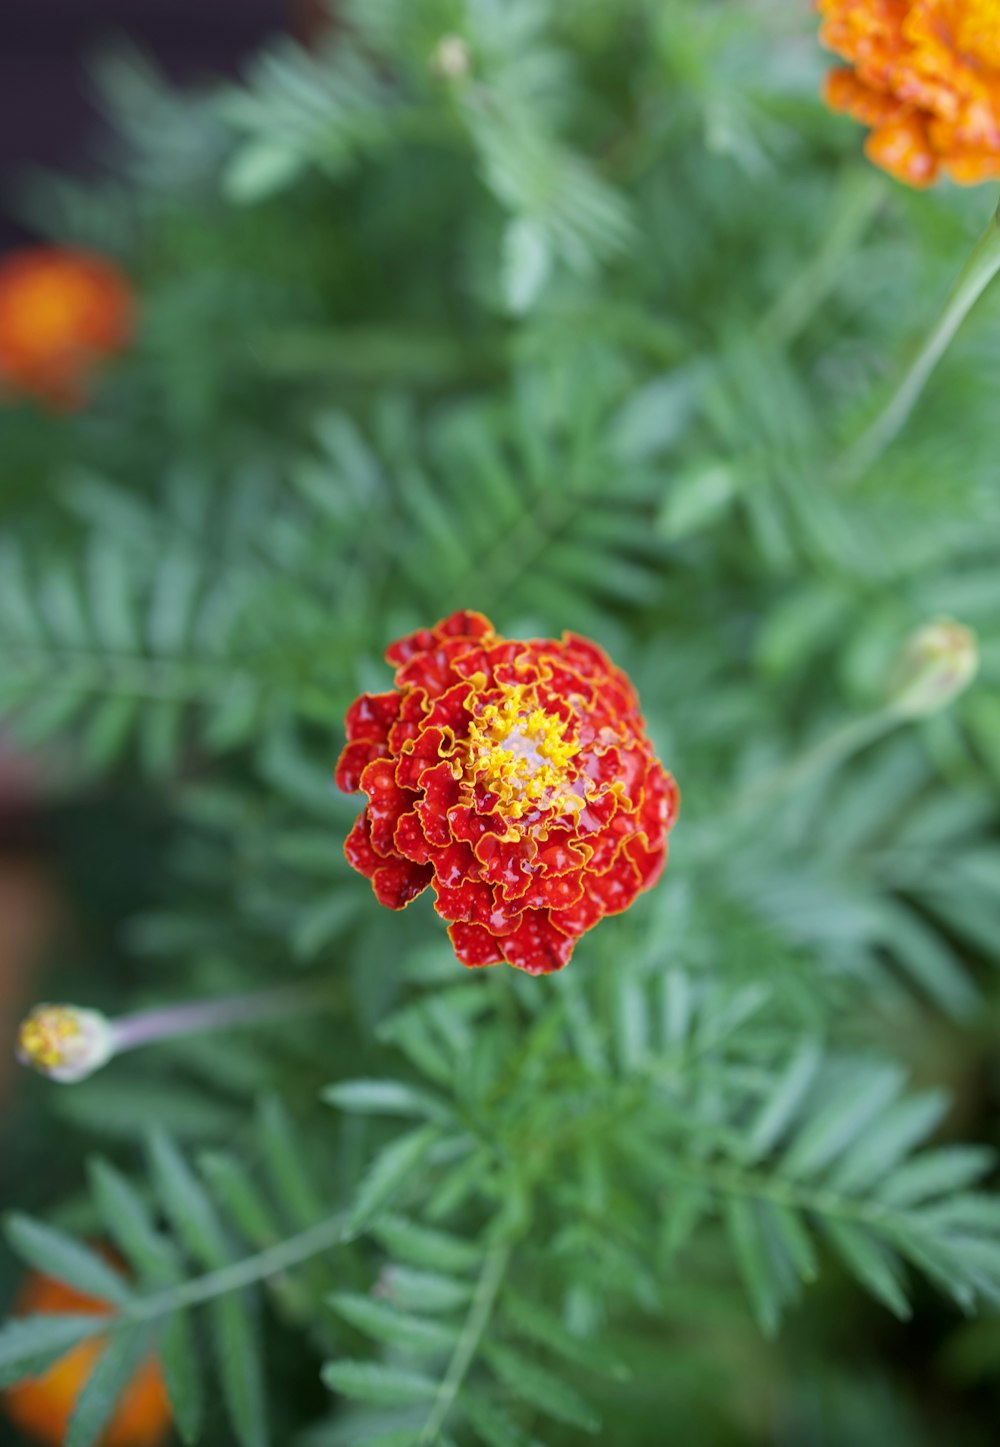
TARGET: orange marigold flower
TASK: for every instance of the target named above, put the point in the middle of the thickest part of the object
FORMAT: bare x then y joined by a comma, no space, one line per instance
42,1406
925,78
61,313
517,780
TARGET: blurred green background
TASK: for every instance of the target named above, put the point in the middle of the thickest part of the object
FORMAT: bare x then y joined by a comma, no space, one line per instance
563,310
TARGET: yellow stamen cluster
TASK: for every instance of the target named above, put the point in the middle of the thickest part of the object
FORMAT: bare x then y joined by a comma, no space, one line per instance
65,1042
48,1036
520,752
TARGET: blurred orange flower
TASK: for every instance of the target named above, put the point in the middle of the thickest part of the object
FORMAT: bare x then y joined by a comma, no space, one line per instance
925,77
61,313
42,1406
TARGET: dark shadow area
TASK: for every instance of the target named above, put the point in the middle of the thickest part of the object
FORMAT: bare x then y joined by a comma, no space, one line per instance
47,117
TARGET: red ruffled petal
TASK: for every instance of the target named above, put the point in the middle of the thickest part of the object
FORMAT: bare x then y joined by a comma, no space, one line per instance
537,946
387,803
475,946
353,762
371,716
461,625
398,883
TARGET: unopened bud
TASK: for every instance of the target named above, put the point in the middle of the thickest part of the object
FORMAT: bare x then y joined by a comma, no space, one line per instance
452,59
939,662
65,1043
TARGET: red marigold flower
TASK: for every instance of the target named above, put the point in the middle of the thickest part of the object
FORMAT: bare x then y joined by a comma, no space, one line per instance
514,778
61,313
925,78
43,1405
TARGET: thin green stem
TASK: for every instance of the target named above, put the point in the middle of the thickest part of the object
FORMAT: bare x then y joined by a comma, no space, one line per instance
982,266
293,1252
842,744
476,1322
860,194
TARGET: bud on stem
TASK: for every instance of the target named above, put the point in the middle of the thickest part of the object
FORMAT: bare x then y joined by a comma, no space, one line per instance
68,1043
939,662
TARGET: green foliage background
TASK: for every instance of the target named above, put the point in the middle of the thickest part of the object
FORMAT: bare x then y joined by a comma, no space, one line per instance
567,319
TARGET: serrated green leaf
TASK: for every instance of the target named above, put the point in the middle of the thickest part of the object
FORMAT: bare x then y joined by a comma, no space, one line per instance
539,1325
381,1385
171,610
112,603
232,717
753,1260
284,1157
631,1024
398,1437
182,1375
780,1107
677,1007
423,1291
186,1202
786,1226
130,1224
967,1212
385,1097
240,1198
871,1263
929,961
491,1424
30,1344
467,1178
108,728
846,1111
895,1133
540,1388
121,1357
260,169
160,737
386,1323
933,1173
422,1246
527,263
387,1174
699,498
66,1259
411,1033
685,1207
241,1371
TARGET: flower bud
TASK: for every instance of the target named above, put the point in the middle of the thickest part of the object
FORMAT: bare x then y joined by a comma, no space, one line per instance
938,663
452,58
64,1042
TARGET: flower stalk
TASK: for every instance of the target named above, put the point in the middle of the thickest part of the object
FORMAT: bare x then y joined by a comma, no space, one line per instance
68,1043
936,664
980,269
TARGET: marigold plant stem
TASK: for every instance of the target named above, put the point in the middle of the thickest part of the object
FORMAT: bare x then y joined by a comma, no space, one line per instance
480,1311
979,271
858,198
132,1031
275,1259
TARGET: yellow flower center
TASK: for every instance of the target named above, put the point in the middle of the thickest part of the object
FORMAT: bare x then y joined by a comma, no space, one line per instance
520,753
49,1036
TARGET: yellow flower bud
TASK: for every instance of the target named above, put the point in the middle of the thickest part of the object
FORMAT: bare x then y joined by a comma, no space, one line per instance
452,59
938,663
